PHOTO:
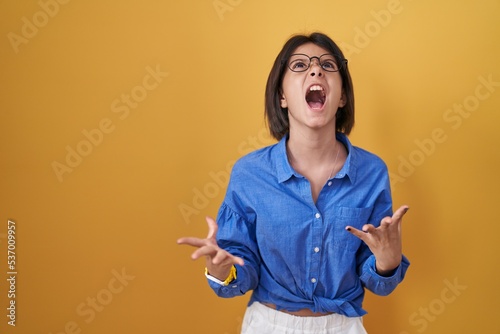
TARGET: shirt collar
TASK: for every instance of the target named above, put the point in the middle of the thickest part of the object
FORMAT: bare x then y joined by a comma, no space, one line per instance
350,167
285,171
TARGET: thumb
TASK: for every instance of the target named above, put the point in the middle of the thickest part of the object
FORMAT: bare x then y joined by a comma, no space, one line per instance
212,227
398,215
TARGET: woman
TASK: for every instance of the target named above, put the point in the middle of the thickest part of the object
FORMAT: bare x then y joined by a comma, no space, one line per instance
306,223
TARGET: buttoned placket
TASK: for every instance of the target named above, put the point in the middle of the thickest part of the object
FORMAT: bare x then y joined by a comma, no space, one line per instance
317,239
315,249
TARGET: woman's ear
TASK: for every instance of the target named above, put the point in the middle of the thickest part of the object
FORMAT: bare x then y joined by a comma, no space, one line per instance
343,100
283,102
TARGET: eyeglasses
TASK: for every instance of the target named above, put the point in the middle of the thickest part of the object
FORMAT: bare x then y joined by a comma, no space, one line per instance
299,62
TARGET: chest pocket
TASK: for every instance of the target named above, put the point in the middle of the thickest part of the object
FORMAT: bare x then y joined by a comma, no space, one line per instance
346,216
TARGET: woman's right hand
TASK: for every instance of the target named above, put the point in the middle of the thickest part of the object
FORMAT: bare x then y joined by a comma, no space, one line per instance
218,261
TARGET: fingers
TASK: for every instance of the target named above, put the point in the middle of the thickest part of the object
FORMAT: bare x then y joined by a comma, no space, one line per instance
212,227
223,256
208,250
208,247
398,215
198,242
385,222
358,233
191,241
239,260
218,255
396,218
368,228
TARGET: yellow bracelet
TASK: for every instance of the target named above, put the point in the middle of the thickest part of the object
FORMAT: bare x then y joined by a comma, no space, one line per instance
231,277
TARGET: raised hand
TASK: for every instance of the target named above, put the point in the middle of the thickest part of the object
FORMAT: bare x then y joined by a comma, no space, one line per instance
384,241
218,261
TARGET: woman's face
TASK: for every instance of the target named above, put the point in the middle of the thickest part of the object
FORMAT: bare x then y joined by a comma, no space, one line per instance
313,96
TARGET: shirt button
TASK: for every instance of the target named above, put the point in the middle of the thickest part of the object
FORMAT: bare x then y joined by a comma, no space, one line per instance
329,183
317,215
316,249
313,280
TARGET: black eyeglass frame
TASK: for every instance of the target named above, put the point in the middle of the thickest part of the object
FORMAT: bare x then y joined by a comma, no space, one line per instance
343,62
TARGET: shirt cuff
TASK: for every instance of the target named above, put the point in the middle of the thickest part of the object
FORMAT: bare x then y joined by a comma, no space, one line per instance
237,287
382,285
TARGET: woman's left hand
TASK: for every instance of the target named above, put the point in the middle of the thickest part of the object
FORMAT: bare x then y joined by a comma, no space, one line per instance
384,241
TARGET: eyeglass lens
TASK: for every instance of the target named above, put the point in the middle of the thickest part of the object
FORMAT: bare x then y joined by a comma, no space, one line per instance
302,62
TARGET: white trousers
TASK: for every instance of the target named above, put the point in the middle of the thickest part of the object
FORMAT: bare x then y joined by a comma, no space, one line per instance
260,319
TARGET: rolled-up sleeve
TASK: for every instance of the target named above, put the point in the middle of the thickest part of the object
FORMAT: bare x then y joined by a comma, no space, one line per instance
382,285
237,236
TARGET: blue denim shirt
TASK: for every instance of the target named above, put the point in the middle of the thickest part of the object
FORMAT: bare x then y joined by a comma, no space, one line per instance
297,253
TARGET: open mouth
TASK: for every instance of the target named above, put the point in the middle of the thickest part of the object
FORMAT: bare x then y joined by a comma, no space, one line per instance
315,97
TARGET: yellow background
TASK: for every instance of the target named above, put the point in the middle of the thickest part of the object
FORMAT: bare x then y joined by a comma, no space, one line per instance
119,209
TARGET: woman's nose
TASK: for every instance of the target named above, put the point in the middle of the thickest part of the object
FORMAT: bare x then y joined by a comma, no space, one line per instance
315,69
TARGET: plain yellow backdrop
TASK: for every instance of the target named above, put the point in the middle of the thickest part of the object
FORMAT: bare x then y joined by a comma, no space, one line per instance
120,121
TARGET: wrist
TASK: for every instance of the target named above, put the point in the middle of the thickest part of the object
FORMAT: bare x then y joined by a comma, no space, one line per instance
229,278
386,269
385,273
218,271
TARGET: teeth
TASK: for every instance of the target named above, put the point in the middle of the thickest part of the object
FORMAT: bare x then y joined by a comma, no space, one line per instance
315,87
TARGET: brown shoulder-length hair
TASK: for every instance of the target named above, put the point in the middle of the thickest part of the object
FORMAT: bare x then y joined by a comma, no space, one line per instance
277,117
